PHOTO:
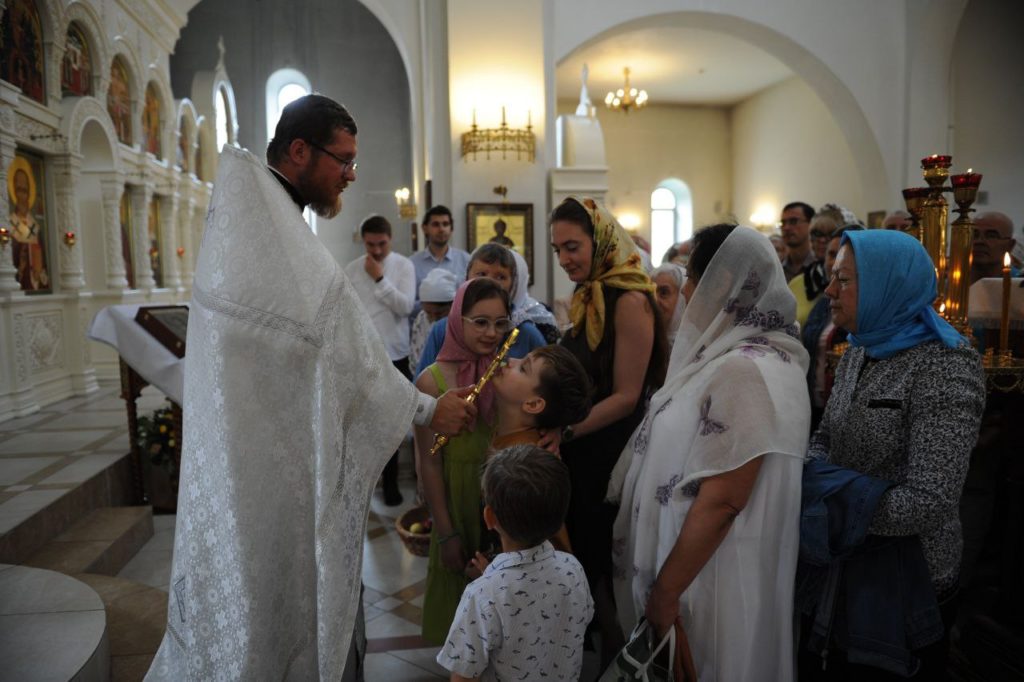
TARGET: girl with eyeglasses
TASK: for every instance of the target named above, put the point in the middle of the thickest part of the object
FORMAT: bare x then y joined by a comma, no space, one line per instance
477,324
498,263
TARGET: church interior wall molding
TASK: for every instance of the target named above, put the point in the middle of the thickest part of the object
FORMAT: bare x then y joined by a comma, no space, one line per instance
84,168
841,73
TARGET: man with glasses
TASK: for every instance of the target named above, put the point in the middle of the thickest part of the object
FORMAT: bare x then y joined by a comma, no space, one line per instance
291,410
795,227
993,237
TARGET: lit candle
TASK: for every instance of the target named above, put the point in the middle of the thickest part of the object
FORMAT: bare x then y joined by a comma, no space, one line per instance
968,179
1004,323
943,160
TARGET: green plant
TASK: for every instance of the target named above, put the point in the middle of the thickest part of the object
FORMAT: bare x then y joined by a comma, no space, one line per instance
156,439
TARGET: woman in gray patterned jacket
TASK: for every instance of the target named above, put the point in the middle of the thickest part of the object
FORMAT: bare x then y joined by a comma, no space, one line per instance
906,404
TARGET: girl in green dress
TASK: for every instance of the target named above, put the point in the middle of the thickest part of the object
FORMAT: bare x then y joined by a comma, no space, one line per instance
477,324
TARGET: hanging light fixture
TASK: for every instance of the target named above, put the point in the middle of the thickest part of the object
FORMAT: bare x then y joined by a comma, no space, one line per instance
626,97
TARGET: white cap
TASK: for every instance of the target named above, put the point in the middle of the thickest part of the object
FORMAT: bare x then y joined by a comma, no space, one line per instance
438,287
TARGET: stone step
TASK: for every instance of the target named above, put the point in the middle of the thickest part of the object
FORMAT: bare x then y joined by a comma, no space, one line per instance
136,620
102,542
110,487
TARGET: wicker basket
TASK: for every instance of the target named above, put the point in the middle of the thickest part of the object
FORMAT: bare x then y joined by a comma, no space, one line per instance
417,543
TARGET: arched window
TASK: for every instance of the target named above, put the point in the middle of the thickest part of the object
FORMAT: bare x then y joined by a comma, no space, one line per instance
223,122
284,87
671,216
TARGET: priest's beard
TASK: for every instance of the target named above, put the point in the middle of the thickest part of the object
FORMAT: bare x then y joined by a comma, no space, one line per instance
327,210
323,197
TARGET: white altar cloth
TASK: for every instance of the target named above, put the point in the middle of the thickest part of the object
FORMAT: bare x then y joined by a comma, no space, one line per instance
115,326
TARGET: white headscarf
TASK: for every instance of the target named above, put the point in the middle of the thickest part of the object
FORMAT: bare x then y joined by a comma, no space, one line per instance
524,306
678,274
735,391
738,330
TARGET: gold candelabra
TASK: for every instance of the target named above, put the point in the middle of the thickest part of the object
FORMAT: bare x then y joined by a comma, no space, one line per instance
519,141
440,440
950,251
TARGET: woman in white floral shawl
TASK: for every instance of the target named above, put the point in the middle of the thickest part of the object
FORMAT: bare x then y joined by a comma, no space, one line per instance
708,528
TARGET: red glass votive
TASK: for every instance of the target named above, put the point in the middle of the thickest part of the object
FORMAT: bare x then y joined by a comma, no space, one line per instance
966,180
937,160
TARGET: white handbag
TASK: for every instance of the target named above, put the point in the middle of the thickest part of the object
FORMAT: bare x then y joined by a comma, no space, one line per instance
636,662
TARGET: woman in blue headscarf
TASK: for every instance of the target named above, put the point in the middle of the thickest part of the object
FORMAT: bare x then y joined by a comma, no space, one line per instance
905,408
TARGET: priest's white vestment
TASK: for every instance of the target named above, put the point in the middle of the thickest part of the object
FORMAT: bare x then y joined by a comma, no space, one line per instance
291,410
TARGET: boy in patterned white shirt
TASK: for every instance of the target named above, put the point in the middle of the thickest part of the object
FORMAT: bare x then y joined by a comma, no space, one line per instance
526,616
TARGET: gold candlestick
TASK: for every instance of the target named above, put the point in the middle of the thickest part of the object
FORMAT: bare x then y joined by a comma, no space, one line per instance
1004,322
440,440
914,198
935,214
965,191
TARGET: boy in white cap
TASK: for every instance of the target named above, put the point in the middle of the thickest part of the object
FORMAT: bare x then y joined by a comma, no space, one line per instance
437,291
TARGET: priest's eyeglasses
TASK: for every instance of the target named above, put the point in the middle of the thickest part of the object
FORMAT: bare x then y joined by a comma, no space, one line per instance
482,324
346,166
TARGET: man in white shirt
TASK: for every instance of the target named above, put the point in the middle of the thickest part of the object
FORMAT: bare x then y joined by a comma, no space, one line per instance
386,284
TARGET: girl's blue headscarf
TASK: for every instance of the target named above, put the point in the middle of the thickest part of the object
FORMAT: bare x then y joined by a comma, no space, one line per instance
895,292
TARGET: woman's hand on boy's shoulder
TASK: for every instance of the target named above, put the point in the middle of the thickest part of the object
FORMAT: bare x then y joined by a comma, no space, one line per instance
477,565
550,439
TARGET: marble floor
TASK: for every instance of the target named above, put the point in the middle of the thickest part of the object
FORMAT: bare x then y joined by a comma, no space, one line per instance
45,455
392,599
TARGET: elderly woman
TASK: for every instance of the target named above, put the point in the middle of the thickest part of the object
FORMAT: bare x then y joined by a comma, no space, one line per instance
707,530
808,286
617,336
668,280
904,409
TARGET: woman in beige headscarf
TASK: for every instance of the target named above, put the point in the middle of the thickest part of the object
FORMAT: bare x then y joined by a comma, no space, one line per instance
616,334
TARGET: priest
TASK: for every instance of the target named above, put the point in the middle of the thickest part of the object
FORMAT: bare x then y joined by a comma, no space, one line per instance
292,409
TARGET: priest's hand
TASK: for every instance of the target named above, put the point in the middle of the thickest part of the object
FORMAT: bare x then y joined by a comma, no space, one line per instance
453,414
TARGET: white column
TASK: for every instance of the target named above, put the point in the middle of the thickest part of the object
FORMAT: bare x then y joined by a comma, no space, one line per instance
183,226
141,196
113,187
66,173
169,240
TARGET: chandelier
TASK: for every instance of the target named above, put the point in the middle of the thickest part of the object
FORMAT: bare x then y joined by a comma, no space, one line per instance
519,141
626,97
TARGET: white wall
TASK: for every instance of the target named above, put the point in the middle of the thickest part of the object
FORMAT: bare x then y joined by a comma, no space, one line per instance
988,77
488,69
872,62
787,147
646,147
348,55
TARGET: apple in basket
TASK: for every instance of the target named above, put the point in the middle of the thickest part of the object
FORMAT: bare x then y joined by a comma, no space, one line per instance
421,528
